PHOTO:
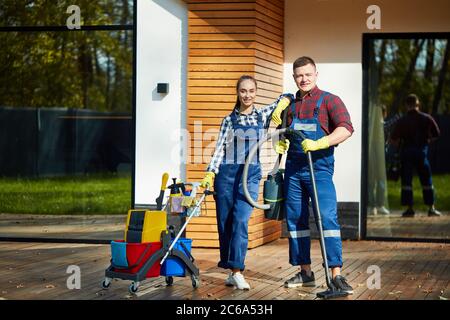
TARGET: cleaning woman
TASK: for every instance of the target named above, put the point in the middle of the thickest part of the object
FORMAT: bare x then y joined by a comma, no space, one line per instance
239,131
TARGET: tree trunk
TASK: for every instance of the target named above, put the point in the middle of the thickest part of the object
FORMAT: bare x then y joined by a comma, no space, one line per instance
382,60
440,86
430,60
85,65
428,74
403,90
108,82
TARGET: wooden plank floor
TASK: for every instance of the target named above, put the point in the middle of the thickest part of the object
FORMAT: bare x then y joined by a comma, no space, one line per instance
103,227
408,271
419,226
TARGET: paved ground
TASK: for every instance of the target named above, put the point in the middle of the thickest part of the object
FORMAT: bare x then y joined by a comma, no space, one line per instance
104,227
419,226
407,271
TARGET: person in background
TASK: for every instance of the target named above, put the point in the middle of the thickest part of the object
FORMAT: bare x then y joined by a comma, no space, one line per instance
414,132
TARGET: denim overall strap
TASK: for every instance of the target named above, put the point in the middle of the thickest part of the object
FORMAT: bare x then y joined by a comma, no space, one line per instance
319,103
309,126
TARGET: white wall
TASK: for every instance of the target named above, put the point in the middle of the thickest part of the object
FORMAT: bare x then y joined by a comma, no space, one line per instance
161,58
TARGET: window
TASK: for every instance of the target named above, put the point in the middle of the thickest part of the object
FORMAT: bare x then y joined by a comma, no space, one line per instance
401,153
66,101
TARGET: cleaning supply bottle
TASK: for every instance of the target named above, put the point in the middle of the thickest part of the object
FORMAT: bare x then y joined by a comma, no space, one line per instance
176,197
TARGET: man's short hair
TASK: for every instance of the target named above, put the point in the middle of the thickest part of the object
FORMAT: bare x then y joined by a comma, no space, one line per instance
303,61
412,100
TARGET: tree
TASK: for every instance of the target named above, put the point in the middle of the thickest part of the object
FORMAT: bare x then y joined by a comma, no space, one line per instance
406,82
442,73
72,69
428,73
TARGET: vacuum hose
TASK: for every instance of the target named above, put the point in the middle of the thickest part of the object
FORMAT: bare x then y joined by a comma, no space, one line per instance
250,156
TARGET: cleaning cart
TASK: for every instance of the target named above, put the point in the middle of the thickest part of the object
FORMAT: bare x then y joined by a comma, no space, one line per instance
151,248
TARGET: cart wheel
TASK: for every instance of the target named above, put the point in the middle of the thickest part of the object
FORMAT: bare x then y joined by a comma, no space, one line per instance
106,283
169,280
195,282
133,288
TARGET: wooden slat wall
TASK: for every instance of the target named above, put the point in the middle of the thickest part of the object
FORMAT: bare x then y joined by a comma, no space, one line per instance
229,38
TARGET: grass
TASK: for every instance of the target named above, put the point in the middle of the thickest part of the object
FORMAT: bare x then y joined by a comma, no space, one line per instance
111,194
442,191
88,194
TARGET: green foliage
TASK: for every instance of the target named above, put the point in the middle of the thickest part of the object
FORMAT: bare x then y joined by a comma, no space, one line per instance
94,194
54,12
394,65
72,69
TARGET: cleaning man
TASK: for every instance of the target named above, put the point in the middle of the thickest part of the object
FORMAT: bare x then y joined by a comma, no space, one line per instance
325,121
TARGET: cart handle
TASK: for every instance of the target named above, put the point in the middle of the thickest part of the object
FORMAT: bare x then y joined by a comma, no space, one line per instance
197,206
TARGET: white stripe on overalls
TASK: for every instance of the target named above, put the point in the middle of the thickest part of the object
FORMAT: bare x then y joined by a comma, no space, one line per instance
332,233
300,234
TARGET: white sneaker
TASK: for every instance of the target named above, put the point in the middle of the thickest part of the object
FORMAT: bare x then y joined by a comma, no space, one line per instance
239,281
229,281
383,210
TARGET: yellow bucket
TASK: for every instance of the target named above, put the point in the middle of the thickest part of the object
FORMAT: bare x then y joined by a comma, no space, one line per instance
145,226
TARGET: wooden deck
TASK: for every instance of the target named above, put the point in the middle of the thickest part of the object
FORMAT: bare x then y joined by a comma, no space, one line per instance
419,226
408,271
103,227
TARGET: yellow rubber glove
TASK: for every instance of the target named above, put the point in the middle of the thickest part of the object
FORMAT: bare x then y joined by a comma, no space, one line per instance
313,145
281,146
276,114
208,179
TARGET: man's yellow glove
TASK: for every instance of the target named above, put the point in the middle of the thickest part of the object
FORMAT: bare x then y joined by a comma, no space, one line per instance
208,179
313,145
276,114
281,146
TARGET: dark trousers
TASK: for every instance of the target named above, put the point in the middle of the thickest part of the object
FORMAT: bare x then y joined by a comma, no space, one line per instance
416,158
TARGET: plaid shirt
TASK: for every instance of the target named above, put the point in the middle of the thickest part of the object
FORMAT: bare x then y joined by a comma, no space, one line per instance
416,129
226,130
332,114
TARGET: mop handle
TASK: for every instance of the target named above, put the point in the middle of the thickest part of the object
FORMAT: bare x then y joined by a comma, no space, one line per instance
183,227
318,214
319,218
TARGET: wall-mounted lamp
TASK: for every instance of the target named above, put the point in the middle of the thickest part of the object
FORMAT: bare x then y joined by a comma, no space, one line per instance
162,88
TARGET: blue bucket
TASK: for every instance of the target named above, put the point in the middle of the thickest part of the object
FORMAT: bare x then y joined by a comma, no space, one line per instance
173,266
119,253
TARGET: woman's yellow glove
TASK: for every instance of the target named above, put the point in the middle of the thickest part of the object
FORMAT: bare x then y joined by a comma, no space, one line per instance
208,179
313,145
276,114
281,146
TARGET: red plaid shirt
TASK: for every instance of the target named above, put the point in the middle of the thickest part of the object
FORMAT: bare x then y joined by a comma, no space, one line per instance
332,114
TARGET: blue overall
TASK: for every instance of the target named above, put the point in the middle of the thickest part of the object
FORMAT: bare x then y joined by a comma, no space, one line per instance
232,208
416,157
299,190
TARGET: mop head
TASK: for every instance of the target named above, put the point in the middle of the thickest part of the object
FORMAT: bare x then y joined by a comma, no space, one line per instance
332,293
